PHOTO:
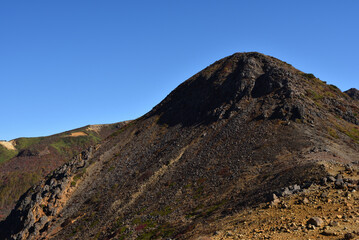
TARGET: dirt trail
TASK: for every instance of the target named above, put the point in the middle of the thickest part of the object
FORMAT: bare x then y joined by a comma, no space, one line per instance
153,179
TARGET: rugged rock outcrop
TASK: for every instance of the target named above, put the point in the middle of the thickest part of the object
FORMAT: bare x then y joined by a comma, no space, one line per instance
221,90
242,129
353,93
40,204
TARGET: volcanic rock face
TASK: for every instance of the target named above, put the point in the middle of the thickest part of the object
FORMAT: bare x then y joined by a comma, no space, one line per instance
242,129
42,203
221,89
353,93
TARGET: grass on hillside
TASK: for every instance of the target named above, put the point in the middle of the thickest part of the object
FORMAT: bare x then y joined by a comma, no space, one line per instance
22,143
6,154
15,185
65,145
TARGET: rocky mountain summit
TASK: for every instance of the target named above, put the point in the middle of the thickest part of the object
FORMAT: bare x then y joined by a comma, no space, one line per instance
246,131
353,93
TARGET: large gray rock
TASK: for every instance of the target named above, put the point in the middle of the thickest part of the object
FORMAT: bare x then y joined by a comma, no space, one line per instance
339,182
296,188
315,221
331,179
286,192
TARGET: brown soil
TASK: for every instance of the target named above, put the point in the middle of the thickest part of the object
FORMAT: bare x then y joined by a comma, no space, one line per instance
339,208
77,134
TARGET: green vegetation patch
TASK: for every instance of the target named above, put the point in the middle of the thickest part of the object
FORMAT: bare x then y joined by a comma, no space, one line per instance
352,132
77,177
314,95
16,184
65,145
332,132
93,135
23,143
204,211
163,212
308,75
6,154
160,232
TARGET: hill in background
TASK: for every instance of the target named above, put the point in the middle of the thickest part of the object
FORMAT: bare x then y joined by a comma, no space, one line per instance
24,161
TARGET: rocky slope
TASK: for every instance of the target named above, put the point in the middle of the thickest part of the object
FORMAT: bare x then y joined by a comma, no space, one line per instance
328,210
24,161
224,141
353,93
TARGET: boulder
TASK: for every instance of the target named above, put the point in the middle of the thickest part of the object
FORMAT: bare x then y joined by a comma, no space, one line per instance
315,221
296,188
331,179
286,192
324,181
339,182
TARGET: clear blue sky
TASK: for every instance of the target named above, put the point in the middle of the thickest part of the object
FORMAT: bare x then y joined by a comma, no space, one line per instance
65,64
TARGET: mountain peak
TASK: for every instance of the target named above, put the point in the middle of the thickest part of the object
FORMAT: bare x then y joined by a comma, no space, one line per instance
353,93
242,129
226,85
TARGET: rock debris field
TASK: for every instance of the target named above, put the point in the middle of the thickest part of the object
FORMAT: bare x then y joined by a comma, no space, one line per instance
329,210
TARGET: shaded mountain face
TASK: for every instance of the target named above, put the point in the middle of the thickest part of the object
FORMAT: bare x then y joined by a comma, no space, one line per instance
353,93
25,161
219,90
224,140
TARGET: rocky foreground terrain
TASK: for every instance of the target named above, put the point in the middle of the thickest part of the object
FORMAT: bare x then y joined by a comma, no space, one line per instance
248,148
328,210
